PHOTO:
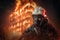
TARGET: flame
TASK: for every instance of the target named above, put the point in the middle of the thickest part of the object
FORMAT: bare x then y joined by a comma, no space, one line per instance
21,19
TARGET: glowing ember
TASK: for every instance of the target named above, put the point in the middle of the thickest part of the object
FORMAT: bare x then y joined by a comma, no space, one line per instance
21,19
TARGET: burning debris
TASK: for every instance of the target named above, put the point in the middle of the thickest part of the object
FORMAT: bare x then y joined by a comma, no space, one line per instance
21,19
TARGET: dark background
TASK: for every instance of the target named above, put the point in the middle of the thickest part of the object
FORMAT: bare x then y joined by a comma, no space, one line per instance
52,7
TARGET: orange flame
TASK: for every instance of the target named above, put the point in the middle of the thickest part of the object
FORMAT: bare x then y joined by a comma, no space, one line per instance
21,19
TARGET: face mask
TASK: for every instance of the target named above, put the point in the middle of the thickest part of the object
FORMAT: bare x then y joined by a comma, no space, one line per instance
37,19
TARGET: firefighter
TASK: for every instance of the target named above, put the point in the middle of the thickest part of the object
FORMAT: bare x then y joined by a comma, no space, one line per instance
41,29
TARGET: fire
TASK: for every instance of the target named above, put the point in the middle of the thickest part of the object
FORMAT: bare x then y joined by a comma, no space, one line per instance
21,19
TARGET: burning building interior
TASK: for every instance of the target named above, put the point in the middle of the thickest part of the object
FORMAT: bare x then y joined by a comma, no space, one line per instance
27,20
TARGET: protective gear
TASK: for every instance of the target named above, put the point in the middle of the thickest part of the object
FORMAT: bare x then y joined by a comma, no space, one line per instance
38,14
39,11
41,29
